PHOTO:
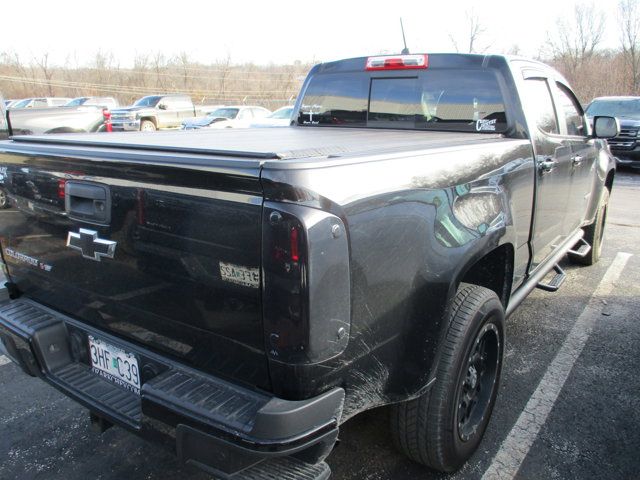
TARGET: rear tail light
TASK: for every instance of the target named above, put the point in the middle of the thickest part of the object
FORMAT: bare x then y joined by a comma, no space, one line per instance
61,186
306,284
294,247
397,62
284,269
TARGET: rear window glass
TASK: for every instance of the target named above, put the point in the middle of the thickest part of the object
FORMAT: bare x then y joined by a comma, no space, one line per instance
433,100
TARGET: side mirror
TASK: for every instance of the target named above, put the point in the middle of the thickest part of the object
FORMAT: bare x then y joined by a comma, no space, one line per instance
162,106
606,127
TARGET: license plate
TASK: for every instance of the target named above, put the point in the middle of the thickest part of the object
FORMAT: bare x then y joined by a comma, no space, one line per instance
114,364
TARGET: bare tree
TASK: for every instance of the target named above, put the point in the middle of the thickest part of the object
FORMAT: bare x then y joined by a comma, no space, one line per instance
47,71
574,42
159,66
183,60
629,19
474,31
224,74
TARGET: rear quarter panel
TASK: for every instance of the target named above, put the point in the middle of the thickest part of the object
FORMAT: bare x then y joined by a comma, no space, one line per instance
415,223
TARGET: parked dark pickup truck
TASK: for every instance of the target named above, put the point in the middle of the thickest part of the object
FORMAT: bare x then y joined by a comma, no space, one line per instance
240,294
625,147
155,112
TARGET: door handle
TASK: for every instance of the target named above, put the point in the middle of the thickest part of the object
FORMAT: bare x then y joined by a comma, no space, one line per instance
547,165
577,160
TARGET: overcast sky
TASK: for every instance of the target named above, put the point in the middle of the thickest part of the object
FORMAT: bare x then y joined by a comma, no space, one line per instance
272,31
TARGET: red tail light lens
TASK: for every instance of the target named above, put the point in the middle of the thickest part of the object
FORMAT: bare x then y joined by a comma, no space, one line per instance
397,62
61,185
294,247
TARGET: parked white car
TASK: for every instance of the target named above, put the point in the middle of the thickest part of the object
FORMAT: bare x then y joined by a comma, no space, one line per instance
238,116
280,118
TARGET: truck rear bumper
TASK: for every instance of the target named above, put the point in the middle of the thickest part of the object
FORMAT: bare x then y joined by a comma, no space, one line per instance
226,429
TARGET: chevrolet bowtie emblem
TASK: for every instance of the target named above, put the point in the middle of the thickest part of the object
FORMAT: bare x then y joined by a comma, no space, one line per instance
91,247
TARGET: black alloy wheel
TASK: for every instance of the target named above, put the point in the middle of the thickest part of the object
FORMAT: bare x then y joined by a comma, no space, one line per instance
443,427
477,385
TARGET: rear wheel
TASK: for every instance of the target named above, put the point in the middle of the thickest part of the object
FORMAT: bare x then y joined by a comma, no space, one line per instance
147,126
594,233
442,428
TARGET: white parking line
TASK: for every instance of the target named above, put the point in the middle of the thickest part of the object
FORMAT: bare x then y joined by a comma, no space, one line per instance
514,449
4,360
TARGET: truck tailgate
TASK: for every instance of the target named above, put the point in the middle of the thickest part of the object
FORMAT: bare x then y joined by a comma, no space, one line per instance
163,255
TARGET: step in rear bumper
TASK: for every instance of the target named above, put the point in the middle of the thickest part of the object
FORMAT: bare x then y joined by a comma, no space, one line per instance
217,425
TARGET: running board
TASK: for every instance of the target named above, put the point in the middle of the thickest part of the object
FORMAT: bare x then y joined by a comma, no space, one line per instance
533,278
582,251
556,281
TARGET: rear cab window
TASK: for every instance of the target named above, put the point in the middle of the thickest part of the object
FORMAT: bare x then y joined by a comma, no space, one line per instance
439,99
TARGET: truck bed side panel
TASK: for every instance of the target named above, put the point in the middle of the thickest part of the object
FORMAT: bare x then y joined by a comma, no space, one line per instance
415,224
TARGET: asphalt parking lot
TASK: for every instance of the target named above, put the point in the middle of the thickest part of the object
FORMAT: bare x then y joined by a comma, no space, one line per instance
568,407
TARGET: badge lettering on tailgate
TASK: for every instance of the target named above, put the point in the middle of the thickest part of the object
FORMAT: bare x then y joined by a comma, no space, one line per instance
248,277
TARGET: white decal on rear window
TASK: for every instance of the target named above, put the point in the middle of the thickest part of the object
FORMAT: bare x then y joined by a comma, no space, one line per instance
486,125
310,110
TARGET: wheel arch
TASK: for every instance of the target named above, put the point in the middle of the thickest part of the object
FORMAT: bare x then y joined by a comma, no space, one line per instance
149,118
493,269
609,179
491,266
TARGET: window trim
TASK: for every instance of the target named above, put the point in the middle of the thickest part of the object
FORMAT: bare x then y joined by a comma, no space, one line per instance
561,87
545,79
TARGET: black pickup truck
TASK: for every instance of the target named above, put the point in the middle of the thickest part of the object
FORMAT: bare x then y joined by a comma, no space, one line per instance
238,295
625,147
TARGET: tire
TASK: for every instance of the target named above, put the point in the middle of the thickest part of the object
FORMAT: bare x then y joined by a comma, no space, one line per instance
437,429
147,126
4,200
594,233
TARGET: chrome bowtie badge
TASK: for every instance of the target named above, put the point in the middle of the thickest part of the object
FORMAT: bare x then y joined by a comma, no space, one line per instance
91,247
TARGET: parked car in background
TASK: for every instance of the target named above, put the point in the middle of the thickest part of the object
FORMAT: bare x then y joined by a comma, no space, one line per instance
234,116
625,147
280,118
155,112
40,102
107,102
84,118
8,103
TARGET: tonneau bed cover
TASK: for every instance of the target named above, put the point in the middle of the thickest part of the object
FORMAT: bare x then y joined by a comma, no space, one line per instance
278,143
